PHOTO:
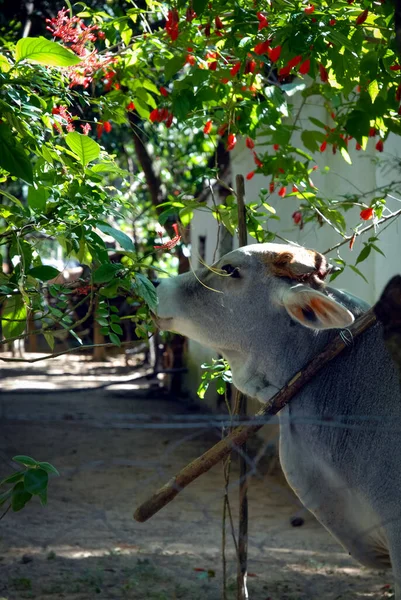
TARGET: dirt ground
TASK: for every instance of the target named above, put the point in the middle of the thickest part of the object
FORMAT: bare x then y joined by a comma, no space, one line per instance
113,447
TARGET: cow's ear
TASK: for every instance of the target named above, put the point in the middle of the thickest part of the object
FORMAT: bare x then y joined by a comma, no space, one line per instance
315,310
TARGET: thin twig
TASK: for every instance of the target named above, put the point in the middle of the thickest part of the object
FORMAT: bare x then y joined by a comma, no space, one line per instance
357,233
77,349
5,512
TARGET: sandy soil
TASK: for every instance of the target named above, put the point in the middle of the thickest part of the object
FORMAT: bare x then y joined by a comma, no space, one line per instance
113,447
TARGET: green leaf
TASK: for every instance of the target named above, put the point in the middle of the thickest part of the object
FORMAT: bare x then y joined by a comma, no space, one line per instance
44,272
27,461
199,6
4,64
358,272
37,198
116,328
49,337
173,66
45,52
346,156
48,467
19,497
120,237
363,255
105,273
13,478
5,496
146,290
36,480
309,139
13,317
357,124
373,89
83,146
13,157
115,339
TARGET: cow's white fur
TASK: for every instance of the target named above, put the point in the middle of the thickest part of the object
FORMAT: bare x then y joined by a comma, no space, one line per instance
340,438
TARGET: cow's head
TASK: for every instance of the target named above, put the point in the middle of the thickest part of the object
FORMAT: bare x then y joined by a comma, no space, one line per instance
257,306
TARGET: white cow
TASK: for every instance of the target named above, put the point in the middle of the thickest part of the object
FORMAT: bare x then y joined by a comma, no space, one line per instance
267,310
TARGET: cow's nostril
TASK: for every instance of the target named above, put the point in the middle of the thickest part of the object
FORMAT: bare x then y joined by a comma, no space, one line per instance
155,282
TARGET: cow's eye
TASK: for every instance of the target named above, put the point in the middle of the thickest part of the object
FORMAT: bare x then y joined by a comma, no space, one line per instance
230,270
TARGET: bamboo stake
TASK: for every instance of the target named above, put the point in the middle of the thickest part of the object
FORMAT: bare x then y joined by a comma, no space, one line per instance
242,410
240,434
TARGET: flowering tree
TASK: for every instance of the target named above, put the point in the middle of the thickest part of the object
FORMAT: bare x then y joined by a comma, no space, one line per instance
115,116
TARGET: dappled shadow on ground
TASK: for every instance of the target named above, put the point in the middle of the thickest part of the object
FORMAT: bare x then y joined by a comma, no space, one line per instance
115,447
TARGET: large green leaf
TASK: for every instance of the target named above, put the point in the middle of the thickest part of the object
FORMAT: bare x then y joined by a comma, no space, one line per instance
45,52
44,272
13,317
13,157
36,481
146,290
37,198
120,237
19,497
83,146
105,273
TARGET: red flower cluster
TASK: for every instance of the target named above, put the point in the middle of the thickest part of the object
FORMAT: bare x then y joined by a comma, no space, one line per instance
65,119
172,24
74,33
231,141
207,128
158,115
262,47
263,22
171,243
366,214
309,9
103,126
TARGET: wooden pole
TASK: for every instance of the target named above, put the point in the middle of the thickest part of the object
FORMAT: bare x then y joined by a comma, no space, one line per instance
241,409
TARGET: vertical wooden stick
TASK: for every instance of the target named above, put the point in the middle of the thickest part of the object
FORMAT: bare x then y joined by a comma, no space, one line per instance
241,406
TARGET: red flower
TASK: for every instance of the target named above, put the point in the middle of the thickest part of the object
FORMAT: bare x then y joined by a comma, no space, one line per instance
213,65
372,132
250,143
324,76
284,71
107,126
282,191
207,128
263,22
86,128
305,66
234,70
207,30
163,91
271,187
309,9
257,160
297,217
293,62
231,141
276,147
332,22
379,146
398,93
169,120
274,53
218,22
131,106
250,66
222,129
190,15
171,243
395,67
358,146
323,146
172,24
294,189
154,115
250,175
366,214
262,48
352,242
191,60
362,17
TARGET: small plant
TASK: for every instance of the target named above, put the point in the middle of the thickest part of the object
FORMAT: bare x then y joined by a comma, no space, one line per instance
219,372
31,481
